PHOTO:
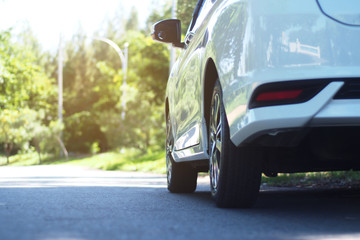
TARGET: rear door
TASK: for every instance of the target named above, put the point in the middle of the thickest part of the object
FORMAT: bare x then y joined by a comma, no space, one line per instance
188,97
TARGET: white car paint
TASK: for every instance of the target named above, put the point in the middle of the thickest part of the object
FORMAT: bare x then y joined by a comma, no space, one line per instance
254,42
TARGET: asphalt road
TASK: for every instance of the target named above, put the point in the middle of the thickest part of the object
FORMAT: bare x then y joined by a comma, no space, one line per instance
74,203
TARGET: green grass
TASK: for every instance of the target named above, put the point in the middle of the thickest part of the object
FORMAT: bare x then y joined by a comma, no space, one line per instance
314,179
127,160
26,159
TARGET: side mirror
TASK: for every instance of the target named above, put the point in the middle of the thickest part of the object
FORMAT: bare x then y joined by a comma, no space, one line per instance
168,31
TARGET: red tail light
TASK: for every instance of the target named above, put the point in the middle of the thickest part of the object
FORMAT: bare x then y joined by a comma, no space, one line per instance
279,95
290,92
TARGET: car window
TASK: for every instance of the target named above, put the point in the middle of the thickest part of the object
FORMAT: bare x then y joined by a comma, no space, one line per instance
201,10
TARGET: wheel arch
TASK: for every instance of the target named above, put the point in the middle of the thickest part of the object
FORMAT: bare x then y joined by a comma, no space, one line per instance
210,77
166,107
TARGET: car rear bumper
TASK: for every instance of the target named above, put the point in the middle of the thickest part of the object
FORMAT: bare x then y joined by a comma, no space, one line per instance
338,112
321,111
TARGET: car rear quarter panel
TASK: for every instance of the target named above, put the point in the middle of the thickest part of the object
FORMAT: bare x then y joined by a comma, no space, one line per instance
260,41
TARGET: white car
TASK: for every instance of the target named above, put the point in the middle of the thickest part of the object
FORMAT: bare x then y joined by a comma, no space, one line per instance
262,86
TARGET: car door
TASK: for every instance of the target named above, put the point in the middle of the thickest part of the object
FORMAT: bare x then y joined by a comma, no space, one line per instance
187,92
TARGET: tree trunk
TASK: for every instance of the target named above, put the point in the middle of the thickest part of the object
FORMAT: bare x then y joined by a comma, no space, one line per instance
39,161
8,148
62,147
37,147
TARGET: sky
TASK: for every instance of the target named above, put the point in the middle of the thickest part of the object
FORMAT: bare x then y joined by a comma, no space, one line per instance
47,18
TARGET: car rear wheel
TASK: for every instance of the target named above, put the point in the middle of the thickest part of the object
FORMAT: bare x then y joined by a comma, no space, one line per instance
235,173
181,177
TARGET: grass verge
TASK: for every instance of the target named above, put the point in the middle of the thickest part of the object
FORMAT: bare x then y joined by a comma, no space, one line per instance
315,179
126,160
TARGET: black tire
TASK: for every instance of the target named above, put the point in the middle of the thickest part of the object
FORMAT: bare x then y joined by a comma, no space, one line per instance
235,173
181,177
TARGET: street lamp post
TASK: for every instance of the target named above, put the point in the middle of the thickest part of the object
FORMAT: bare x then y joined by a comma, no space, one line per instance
125,65
60,80
60,98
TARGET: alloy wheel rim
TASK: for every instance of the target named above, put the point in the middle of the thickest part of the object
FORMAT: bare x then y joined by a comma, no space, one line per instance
215,142
169,169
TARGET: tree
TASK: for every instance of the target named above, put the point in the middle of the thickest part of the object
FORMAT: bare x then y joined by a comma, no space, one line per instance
145,90
185,9
47,138
15,128
93,93
93,87
132,24
23,83
148,72
26,91
84,87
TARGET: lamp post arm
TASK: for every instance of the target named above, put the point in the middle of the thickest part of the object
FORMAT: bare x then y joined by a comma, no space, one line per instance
115,46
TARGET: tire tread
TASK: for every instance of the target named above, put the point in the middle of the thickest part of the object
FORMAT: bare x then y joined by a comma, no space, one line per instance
240,175
183,179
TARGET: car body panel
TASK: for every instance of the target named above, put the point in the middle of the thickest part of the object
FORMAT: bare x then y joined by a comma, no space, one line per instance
254,42
338,113
187,99
187,94
346,12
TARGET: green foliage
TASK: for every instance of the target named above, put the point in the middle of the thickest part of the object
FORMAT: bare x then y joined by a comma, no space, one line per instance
100,112
94,94
19,127
95,148
314,179
26,159
27,93
83,88
145,92
46,137
22,82
14,128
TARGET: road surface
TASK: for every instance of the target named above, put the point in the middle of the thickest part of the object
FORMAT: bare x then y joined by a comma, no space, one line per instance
48,202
